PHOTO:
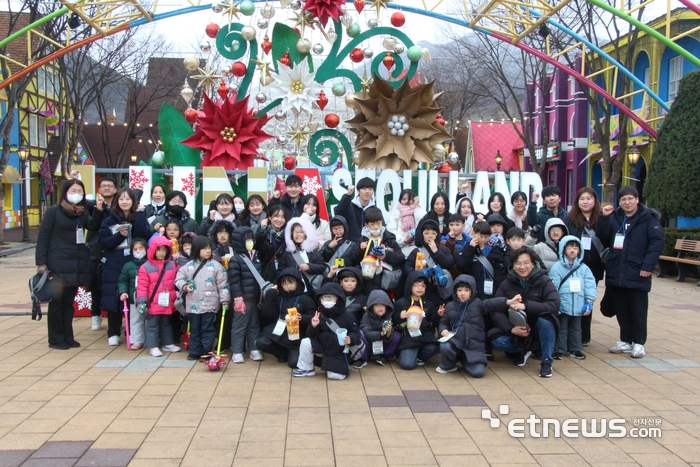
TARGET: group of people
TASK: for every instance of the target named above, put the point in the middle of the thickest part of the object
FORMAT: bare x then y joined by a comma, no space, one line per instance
338,294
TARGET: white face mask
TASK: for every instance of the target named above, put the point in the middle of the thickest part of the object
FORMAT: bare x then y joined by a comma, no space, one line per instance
140,255
74,198
327,304
249,245
187,251
375,233
239,208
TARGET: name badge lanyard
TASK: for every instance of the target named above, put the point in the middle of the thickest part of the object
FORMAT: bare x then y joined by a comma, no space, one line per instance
620,235
458,323
282,306
488,282
79,232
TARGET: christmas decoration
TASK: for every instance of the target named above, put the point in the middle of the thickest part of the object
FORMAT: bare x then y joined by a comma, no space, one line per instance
372,23
354,30
267,11
191,116
205,46
324,9
247,7
296,87
207,77
322,100
398,19
311,184
211,30
317,49
399,48
290,162
332,120
304,45
414,53
248,33
338,88
388,61
263,23
359,5
82,303
222,90
158,159
137,177
356,55
238,69
187,184
266,45
285,60
368,53
186,93
191,62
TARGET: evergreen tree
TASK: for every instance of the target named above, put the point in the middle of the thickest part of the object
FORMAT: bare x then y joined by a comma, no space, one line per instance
673,183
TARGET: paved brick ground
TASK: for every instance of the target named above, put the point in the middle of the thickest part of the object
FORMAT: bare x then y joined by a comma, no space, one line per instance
106,406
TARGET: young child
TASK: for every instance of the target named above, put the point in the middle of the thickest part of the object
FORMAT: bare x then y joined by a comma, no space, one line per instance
464,322
301,253
515,239
278,314
418,342
155,295
127,291
405,219
220,235
245,292
548,251
377,330
374,234
434,254
323,339
350,279
485,263
456,238
204,281
577,294
186,240
340,250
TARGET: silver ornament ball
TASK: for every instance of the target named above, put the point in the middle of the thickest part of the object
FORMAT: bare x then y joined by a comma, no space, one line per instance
389,42
217,8
399,48
262,23
296,4
261,98
205,46
368,53
267,11
282,139
280,115
453,158
372,23
248,33
317,48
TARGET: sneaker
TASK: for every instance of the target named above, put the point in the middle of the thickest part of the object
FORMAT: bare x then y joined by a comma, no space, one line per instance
546,370
381,360
444,372
74,344
359,364
301,373
114,340
96,323
171,348
585,343
578,354
521,359
237,358
638,351
155,352
136,346
420,363
256,356
192,357
621,347
557,356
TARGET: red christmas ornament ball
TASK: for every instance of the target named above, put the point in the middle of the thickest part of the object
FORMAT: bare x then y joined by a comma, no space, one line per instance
444,169
332,120
398,19
191,116
238,69
356,55
212,30
290,162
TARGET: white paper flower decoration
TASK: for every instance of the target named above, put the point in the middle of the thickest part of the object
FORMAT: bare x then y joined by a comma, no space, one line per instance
296,86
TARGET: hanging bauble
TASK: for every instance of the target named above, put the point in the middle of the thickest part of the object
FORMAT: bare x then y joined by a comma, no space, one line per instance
389,42
186,93
346,19
440,120
356,55
261,98
438,152
312,124
280,115
205,46
238,69
325,158
368,53
351,100
191,62
453,158
290,162
303,45
282,139
322,100
158,159
266,45
398,19
332,120
248,33
331,35
217,8
296,4
191,115
235,45
425,54
359,5
399,48
222,90
266,79
444,169
317,48
285,3
414,53
356,157
247,7
388,61
285,60
354,30
267,11
212,30
275,163
338,88
263,23
233,87
372,23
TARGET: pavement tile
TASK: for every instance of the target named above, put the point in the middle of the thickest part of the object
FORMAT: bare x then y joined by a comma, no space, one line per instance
112,364
423,395
682,363
464,401
409,456
56,449
387,401
208,458
422,406
303,457
171,363
144,364
461,461
355,461
63,462
14,458
106,458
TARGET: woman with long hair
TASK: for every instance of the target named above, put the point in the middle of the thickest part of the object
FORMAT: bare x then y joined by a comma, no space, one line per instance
269,241
309,204
223,210
253,214
519,213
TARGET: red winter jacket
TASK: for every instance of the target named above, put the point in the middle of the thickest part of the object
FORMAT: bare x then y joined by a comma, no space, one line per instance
148,276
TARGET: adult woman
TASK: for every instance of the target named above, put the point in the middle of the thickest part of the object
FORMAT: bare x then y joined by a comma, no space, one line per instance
269,241
253,214
519,213
157,204
61,250
238,207
581,222
439,212
126,221
175,203
465,208
405,218
223,210
309,203
497,205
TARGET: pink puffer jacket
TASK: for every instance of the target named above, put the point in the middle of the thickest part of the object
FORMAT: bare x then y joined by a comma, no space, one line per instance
148,276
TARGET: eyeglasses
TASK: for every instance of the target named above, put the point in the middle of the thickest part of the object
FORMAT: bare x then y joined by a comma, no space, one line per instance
521,264
177,201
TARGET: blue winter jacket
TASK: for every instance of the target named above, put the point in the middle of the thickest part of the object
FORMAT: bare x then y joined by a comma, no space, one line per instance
572,302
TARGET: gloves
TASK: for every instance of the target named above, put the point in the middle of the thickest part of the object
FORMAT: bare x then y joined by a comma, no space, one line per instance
587,307
238,305
428,272
378,250
496,240
143,309
535,230
440,278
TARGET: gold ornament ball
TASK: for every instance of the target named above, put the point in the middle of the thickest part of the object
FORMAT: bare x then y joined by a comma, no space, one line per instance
248,33
303,45
191,63
267,11
356,157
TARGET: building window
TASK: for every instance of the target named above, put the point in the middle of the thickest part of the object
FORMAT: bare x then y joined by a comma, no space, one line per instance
572,86
41,130
553,95
553,133
41,80
647,76
537,133
536,104
550,177
33,130
675,73
570,187
571,125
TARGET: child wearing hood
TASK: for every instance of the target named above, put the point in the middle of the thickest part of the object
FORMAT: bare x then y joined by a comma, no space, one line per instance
548,251
350,279
278,313
323,340
127,291
340,250
462,331
484,262
577,291
375,234
155,295
221,235
245,292
186,240
377,330
300,239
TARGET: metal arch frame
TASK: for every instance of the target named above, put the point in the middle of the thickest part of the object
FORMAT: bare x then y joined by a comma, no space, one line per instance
425,12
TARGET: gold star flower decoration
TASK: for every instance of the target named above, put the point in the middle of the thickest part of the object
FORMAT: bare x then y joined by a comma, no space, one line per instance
230,8
396,128
378,5
304,19
207,78
366,82
298,134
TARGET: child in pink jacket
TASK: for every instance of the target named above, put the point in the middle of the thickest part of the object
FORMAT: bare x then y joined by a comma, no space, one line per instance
155,295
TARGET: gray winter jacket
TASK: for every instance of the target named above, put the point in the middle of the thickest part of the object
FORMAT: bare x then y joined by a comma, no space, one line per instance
210,286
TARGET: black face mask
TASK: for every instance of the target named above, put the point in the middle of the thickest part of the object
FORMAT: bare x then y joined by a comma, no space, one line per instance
176,210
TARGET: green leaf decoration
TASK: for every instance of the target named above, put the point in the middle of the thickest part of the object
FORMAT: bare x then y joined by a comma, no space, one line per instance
241,187
173,128
284,39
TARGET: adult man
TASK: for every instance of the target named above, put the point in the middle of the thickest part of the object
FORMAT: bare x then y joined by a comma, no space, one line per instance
552,197
635,240
353,209
290,200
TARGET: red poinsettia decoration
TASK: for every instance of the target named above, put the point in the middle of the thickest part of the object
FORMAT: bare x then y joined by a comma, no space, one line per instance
324,9
228,133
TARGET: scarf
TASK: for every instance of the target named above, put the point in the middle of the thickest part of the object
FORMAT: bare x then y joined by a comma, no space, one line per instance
74,209
518,219
218,217
408,222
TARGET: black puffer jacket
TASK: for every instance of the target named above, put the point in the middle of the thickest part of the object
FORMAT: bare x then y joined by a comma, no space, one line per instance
270,245
352,252
356,300
429,320
591,258
275,306
467,262
325,340
57,249
222,249
644,242
372,324
240,278
393,256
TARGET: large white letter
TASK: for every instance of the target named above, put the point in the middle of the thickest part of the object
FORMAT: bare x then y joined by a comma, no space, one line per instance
531,179
340,175
482,191
501,186
392,178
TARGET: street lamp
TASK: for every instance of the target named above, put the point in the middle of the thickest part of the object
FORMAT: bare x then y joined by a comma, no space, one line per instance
498,159
134,158
633,156
23,153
